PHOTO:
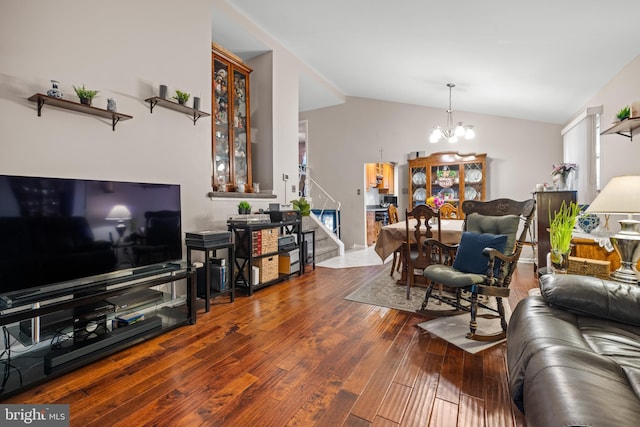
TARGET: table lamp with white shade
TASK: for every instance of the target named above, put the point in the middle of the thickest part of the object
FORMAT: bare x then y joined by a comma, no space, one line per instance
621,196
121,214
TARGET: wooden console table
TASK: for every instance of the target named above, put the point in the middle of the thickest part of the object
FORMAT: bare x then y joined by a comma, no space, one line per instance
588,248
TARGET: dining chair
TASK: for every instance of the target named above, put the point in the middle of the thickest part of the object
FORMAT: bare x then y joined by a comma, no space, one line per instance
417,255
396,264
448,211
494,233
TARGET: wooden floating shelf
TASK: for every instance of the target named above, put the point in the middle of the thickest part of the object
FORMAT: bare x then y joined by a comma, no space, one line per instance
42,99
624,128
156,100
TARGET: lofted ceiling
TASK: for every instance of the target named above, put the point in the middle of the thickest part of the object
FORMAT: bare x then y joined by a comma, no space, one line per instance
539,60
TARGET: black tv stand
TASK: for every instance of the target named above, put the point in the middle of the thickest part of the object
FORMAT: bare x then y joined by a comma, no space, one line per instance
80,354
57,354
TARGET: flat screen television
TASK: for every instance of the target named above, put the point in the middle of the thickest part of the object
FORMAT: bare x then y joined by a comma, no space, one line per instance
55,230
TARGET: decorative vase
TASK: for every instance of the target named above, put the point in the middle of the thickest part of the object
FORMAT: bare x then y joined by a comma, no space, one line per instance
559,261
54,91
111,105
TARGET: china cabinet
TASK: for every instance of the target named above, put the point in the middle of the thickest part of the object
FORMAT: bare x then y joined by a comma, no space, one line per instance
231,142
451,176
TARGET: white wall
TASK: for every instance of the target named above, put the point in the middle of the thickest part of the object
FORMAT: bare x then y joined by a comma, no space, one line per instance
342,138
126,50
619,154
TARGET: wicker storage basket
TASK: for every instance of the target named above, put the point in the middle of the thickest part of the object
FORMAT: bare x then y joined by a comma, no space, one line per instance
589,267
270,241
268,268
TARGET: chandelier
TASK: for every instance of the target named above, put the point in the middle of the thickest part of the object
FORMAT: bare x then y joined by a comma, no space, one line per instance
451,133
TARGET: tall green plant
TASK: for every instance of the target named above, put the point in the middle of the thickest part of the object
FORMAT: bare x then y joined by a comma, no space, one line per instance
561,226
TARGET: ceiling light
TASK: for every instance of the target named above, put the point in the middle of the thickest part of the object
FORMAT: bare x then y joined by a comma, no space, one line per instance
451,133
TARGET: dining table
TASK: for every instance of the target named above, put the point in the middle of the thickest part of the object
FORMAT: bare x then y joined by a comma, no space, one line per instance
391,236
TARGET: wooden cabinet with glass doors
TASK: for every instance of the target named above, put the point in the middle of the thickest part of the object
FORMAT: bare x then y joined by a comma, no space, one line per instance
451,176
231,142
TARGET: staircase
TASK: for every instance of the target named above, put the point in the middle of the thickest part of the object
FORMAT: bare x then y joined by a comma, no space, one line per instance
327,244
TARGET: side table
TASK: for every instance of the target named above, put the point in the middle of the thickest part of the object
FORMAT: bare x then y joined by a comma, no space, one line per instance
308,236
209,249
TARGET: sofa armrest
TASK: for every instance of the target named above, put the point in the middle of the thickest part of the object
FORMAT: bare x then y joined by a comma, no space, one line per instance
594,297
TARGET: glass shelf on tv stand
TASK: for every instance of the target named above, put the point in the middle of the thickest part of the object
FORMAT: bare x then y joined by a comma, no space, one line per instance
86,285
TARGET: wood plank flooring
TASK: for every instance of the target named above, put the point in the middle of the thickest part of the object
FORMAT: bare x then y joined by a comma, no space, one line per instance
294,354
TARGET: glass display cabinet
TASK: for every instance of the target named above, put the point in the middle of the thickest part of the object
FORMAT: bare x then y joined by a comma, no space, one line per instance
231,142
451,176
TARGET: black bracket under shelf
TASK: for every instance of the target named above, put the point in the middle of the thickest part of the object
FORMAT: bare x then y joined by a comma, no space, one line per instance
156,100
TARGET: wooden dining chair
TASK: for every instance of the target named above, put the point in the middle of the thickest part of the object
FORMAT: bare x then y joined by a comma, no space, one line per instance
396,264
417,255
448,211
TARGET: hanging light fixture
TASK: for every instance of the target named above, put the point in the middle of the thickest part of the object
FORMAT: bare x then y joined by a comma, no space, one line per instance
451,133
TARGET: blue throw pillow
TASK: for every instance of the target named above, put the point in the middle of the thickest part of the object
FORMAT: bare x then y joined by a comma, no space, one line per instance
469,258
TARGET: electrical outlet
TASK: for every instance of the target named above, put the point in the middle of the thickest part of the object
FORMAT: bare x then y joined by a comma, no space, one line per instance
358,191
293,188
285,177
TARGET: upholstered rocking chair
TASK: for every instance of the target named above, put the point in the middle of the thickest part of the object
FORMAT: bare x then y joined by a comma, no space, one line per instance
483,262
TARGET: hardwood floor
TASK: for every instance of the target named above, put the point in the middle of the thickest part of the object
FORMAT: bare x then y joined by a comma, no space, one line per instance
296,353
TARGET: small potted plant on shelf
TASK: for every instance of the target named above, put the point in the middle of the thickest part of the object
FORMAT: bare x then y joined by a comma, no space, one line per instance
182,97
623,114
85,95
302,206
244,207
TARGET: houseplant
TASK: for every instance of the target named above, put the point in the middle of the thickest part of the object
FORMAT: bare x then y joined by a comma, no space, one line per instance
85,95
302,206
624,113
244,207
561,225
181,97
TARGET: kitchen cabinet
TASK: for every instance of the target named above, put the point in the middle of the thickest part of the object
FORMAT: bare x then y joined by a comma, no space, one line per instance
231,142
451,176
371,228
380,176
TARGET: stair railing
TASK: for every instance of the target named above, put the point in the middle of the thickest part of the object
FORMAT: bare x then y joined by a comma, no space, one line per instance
323,202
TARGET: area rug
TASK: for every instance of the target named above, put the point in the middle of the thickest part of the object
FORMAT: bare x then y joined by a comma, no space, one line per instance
384,292
454,328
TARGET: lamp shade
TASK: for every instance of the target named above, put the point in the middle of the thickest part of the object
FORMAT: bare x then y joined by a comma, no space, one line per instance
119,213
620,196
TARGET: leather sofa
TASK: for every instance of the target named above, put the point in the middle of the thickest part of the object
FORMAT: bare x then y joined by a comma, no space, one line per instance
573,353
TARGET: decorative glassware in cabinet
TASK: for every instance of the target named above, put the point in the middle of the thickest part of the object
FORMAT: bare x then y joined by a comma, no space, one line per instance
419,185
473,180
222,170
447,182
240,126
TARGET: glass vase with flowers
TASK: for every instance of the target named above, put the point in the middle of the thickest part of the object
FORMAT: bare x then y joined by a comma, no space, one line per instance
561,227
434,202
